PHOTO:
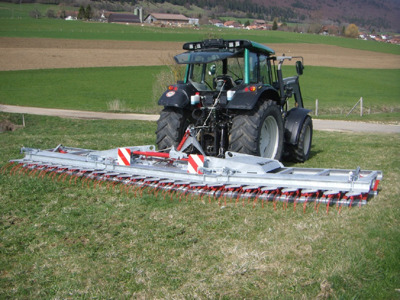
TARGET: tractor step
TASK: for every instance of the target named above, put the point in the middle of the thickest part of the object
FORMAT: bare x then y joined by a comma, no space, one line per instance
237,176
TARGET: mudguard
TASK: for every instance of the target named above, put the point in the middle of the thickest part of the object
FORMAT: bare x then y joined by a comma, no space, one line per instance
293,124
247,100
174,98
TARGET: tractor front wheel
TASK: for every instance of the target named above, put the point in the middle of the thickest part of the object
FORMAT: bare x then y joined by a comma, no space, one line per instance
301,151
258,131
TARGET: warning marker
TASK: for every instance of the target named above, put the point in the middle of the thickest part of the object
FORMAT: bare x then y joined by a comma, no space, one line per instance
195,162
124,156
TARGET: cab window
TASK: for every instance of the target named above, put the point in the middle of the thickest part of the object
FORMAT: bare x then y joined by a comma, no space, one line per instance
264,70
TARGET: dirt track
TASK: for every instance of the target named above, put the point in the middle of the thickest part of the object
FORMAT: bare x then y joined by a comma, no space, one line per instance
33,53
325,125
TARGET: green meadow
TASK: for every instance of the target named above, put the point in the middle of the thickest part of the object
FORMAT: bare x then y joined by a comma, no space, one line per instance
84,88
337,90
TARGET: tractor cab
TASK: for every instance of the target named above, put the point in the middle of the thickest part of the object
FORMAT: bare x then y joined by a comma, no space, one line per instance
219,65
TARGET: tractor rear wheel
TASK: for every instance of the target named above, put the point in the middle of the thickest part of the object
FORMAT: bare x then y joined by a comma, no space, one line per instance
258,131
171,127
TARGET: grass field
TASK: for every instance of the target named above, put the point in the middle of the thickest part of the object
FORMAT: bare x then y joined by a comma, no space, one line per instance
86,89
93,88
62,241
15,22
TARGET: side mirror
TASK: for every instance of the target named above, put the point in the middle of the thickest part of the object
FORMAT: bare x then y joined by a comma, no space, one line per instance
212,70
299,67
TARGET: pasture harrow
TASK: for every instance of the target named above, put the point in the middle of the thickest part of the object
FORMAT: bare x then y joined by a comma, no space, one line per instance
237,178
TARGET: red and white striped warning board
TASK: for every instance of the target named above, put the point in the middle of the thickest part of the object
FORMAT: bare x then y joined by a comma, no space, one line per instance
124,156
195,162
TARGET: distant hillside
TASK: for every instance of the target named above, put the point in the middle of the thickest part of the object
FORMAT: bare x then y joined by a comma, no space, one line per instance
369,14
379,15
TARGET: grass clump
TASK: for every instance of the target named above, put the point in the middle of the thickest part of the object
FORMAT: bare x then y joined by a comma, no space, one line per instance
117,105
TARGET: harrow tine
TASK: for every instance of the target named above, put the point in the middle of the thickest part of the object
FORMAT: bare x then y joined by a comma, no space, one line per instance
289,193
256,199
18,168
6,166
15,168
31,173
53,176
329,196
75,176
23,170
306,194
46,171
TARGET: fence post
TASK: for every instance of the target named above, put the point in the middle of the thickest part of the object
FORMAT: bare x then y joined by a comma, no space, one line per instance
361,106
316,107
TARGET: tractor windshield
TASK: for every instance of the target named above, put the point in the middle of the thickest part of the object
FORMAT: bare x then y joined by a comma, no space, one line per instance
211,71
202,57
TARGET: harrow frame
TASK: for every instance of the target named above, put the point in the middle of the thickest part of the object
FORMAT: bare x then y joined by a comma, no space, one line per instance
237,176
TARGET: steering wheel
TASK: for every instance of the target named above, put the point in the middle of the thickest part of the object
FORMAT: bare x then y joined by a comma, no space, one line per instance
224,81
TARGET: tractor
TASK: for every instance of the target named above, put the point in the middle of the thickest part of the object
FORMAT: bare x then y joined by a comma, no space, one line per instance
234,97
220,135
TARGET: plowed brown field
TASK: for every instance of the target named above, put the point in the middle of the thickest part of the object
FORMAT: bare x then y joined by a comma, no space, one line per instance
33,53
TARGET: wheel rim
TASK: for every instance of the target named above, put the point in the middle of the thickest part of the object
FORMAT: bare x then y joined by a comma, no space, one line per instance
269,137
307,140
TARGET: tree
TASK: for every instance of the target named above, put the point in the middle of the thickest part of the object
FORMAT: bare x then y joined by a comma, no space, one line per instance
351,31
275,25
314,28
81,13
88,12
51,14
63,14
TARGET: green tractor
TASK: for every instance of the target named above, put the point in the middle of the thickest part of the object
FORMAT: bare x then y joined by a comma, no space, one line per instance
235,98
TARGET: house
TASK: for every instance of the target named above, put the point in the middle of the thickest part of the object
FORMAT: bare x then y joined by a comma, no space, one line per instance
259,23
395,40
269,26
166,19
232,24
194,21
123,18
216,22
379,38
252,27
